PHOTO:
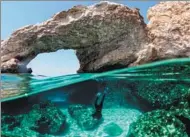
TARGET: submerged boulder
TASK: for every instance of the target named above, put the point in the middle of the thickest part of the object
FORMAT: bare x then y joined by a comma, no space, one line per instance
162,122
105,36
83,116
149,92
162,94
43,119
113,129
49,119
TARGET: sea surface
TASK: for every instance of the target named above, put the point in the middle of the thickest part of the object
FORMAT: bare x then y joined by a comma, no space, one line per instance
120,107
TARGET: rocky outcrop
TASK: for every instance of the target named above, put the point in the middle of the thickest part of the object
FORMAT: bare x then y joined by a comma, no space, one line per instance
105,36
44,119
169,32
163,122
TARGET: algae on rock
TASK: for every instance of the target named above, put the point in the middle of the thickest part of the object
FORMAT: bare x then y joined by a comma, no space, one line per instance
163,94
43,119
162,122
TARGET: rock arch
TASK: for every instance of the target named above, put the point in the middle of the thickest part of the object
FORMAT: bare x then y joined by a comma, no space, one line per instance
105,36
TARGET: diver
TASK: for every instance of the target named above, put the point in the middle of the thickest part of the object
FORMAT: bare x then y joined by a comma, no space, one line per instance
98,107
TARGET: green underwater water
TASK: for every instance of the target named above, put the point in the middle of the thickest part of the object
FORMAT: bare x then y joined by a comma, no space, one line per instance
130,94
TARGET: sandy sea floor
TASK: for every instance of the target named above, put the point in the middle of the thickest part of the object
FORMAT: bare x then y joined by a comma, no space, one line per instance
123,117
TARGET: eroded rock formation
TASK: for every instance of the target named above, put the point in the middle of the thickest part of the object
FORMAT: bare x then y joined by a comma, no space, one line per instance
168,30
106,36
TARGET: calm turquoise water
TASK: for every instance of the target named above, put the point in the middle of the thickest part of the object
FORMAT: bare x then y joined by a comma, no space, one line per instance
120,106
170,70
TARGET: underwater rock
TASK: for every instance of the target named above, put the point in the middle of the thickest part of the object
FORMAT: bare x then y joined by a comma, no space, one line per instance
43,119
106,36
149,94
162,122
49,119
83,116
113,129
162,94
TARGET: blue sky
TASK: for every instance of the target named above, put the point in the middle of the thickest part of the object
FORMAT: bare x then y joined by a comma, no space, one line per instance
16,14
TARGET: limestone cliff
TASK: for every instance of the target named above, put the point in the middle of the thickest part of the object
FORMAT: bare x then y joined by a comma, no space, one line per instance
105,36
169,32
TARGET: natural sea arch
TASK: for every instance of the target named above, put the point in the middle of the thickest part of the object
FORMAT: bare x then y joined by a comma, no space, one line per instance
106,36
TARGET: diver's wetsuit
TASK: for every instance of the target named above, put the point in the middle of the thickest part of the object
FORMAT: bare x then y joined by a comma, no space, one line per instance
98,107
